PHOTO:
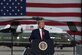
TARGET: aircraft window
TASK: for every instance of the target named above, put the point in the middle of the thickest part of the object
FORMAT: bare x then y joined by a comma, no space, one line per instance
58,36
31,26
68,36
26,34
50,28
5,36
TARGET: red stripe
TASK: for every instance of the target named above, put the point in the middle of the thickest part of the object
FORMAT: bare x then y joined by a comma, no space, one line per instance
61,24
53,14
73,5
76,33
4,23
47,23
22,22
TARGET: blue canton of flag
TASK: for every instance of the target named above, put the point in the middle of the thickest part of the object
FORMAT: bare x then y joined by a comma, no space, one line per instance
12,7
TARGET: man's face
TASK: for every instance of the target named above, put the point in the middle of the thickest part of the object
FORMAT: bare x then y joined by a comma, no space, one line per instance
41,25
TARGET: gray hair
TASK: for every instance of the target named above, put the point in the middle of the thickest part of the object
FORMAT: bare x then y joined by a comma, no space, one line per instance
39,21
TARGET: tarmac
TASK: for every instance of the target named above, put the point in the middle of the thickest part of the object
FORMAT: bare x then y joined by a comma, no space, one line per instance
20,50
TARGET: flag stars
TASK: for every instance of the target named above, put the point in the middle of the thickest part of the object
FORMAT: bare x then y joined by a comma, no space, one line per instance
10,0
4,13
7,3
10,14
10,7
13,10
21,13
18,10
15,0
4,0
13,3
1,10
15,13
7,10
4,7
1,3
18,3
15,7
21,7
21,0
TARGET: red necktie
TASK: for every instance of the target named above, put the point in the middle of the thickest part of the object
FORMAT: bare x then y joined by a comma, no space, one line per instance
42,34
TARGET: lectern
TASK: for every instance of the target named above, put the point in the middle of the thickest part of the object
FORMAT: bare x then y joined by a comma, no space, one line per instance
41,47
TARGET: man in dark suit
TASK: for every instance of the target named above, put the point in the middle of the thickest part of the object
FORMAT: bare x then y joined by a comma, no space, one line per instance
40,33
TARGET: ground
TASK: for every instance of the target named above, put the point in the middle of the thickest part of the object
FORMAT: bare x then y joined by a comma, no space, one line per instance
19,51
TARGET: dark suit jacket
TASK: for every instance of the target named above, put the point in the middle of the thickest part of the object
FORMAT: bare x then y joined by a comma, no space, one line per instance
36,34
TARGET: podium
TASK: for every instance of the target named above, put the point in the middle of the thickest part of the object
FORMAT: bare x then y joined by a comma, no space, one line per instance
41,47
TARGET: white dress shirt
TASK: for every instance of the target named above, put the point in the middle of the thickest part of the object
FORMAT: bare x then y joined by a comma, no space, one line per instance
40,32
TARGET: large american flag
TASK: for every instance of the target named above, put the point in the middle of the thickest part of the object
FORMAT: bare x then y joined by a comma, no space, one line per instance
59,10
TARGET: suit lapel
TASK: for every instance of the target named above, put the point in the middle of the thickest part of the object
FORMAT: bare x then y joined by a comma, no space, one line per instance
39,34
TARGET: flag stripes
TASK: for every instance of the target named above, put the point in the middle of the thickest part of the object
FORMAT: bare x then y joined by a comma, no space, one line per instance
59,10
53,14
48,5
56,10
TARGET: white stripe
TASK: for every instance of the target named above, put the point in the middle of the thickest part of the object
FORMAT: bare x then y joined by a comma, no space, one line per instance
62,19
54,1
66,28
53,10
